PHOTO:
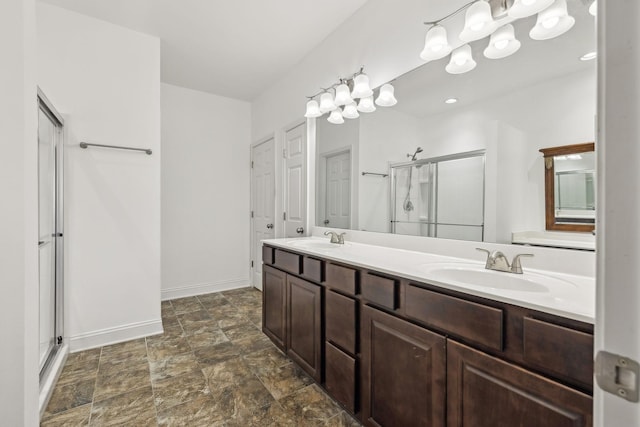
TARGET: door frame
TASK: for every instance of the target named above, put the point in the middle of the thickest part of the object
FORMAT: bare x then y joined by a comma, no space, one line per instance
47,106
252,207
321,184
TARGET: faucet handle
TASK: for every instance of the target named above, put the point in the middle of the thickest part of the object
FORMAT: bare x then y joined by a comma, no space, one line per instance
516,266
334,236
341,238
488,264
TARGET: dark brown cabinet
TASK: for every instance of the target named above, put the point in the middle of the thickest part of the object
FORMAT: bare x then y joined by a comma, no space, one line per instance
483,391
395,352
304,334
274,304
403,372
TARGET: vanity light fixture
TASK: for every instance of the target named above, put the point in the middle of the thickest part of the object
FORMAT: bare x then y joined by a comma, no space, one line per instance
480,21
589,56
593,9
451,100
461,61
552,22
353,96
502,43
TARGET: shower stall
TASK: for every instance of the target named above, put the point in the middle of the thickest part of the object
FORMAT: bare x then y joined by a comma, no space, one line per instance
50,232
440,196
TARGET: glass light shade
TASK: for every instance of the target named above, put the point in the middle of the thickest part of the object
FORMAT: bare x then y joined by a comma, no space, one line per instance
593,9
552,22
326,103
343,95
313,109
436,44
336,117
350,111
366,105
524,8
361,88
386,98
478,22
503,43
461,61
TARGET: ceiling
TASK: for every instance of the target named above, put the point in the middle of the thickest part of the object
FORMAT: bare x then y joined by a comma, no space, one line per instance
231,48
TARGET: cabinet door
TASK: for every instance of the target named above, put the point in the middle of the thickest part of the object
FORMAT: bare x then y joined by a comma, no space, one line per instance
274,303
304,325
487,392
403,372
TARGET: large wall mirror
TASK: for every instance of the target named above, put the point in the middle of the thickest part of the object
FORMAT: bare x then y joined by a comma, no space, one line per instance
469,169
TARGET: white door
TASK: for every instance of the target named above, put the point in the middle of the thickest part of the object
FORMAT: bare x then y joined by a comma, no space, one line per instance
338,191
618,203
262,203
295,185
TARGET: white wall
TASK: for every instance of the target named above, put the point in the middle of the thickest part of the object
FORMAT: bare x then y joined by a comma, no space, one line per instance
18,216
105,80
205,192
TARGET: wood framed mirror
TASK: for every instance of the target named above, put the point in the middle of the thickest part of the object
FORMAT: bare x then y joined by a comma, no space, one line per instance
570,185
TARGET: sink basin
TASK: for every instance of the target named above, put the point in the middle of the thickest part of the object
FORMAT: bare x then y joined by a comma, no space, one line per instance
314,244
477,276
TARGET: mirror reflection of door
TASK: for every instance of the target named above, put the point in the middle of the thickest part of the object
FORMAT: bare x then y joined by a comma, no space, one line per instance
295,185
338,191
262,202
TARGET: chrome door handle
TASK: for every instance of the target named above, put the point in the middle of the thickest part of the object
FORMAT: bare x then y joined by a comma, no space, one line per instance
269,226
299,230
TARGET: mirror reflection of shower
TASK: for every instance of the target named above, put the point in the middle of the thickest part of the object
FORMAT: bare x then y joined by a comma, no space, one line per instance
407,205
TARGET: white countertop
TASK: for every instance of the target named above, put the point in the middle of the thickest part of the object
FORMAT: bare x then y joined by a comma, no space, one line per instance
584,241
574,300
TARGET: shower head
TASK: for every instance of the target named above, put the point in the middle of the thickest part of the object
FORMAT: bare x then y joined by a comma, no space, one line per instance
413,156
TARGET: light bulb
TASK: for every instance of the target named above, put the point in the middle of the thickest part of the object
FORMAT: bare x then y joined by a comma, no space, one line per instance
478,22
502,43
386,98
336,117
552,22
366,105
528,2
313,110
350,111
436,44
593,9
343,96
361,88
461,60
326,103
525,8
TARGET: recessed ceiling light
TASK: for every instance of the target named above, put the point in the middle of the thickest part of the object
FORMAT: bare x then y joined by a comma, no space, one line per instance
588,56
451,100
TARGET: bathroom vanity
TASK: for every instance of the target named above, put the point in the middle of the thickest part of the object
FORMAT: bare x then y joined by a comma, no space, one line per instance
413,345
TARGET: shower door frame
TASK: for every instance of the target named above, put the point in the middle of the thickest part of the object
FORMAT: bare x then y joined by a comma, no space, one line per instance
47,107
433,193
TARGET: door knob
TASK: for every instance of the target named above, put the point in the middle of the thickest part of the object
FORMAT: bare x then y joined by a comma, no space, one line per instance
326,221
269,226
299,230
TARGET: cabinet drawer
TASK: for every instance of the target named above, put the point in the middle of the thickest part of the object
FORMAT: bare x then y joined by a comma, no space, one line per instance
340,377
312,269
559,350
468,320
340,321
267,255
341,278
287,261
380,291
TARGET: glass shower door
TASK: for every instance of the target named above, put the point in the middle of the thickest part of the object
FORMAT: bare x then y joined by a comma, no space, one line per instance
49,243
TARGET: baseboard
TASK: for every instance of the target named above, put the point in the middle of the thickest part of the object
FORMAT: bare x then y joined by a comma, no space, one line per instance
206,288
115,335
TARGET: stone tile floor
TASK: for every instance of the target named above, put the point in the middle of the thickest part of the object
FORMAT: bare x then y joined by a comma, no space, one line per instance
211,367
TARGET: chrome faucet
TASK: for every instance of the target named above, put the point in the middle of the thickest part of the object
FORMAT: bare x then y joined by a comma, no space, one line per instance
335,237
497,261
